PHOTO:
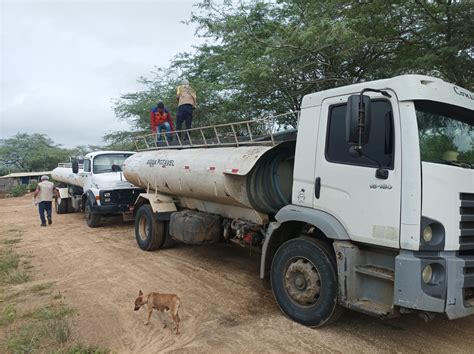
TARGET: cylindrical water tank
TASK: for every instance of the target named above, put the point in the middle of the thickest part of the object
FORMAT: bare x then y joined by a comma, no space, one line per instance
255,177
65,175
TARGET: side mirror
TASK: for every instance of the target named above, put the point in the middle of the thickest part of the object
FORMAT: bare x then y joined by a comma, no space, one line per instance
358,120
75,166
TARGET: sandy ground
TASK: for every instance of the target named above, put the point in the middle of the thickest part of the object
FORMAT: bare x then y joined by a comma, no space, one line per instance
225,307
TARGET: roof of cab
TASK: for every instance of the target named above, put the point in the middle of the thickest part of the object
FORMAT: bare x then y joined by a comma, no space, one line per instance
91,155
405,87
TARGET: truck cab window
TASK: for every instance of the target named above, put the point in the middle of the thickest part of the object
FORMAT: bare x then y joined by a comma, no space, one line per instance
109,162
446,133
87,165
381,139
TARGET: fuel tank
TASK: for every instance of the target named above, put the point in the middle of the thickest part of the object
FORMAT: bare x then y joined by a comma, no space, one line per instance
254,177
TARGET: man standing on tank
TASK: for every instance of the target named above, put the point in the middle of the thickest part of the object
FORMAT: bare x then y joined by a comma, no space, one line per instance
186,98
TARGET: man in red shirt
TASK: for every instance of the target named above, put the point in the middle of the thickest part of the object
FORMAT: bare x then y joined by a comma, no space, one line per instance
160,119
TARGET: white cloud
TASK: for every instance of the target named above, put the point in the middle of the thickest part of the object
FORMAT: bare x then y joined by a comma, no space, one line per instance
63,61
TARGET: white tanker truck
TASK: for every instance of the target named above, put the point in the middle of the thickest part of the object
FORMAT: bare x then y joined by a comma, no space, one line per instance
96,186
359,208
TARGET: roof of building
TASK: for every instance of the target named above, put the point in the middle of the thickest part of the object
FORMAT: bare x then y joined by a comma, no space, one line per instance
26,174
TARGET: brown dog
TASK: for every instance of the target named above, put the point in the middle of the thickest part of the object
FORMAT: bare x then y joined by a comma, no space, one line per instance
160,302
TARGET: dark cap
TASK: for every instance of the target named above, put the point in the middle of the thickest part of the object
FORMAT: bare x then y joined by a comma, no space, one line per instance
160,105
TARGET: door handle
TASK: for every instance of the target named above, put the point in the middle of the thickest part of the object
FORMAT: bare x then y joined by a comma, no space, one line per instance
317,187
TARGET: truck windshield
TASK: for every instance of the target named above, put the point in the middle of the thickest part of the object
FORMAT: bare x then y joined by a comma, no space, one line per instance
109,162
446,133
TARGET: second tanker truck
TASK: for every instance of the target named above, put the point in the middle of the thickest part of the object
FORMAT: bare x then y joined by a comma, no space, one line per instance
96,187
361,208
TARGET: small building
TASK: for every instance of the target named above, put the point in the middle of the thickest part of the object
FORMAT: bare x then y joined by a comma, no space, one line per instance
17,178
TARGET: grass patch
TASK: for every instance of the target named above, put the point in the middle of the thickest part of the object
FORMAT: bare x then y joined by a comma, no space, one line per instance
10,296
9,260
7,315
41,287
15,277
58,330
80,349
27,265
10,270
45,329
57,296
44,326
12,241
49,312
25,340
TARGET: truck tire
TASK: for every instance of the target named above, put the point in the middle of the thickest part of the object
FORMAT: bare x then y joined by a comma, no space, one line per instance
304,282
149,232
61,208
92,220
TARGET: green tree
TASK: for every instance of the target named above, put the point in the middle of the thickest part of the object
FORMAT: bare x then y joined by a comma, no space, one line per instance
35,152
121,140
261,58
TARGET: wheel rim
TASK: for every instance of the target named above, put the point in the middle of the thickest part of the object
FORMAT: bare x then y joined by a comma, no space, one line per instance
302,281
143,228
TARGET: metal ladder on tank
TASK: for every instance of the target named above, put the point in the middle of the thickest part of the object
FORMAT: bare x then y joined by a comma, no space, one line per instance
264,131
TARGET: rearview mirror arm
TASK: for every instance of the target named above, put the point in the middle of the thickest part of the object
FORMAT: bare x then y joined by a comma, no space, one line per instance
380,173
362,112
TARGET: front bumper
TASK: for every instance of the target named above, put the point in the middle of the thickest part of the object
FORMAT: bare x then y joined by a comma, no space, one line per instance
112,209
452,292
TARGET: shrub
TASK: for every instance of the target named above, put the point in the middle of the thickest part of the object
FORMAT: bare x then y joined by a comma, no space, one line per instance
32,186
19,190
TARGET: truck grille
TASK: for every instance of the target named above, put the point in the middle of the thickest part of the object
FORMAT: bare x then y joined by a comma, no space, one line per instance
466,224
120,196
468,281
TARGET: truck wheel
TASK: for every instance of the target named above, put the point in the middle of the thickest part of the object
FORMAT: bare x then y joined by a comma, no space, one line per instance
304,282
149,232
61,208
92,220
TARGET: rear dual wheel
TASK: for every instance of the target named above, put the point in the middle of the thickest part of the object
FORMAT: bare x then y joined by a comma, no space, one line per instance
61,207
151,234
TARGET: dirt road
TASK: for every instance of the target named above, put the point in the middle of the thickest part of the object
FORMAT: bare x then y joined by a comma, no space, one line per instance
225,307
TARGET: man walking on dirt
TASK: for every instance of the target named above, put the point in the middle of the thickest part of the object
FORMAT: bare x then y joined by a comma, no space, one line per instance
186,99
44,194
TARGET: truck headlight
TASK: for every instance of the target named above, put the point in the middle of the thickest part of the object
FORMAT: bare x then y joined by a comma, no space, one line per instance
432,235
427,234
427,274
433,277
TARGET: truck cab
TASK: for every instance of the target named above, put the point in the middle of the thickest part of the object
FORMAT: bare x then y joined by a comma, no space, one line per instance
400,211
96,186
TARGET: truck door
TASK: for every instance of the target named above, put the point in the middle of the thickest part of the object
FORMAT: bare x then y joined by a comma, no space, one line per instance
347,186
86,175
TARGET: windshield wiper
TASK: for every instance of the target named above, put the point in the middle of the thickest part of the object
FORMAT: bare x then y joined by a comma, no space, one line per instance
458,164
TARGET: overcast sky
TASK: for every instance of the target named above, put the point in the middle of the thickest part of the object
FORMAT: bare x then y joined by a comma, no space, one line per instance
63,61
